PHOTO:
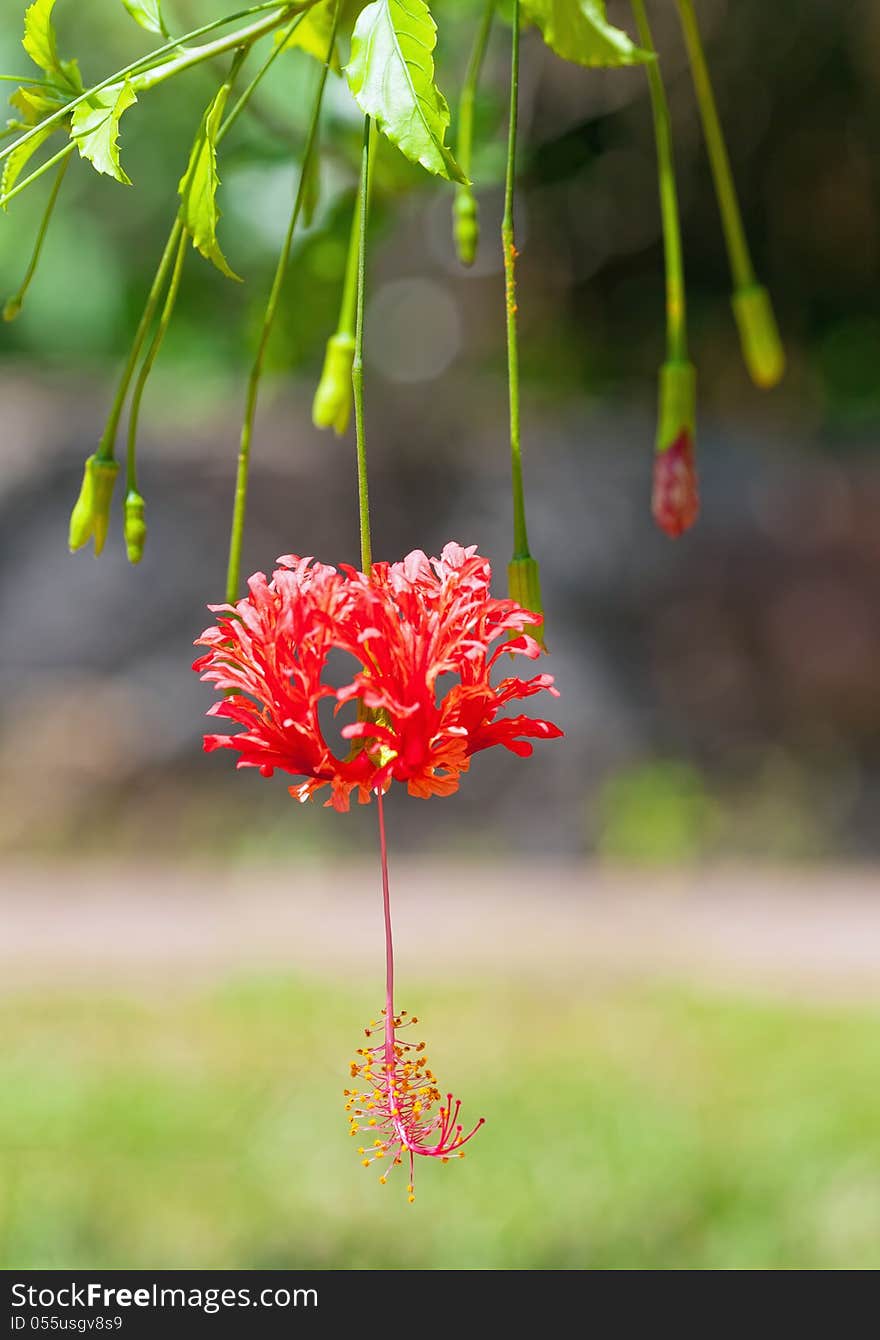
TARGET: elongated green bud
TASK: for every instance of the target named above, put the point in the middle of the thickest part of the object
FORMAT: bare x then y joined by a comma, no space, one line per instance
12,308
524,585
81,524
90,517
466,225
759,335
331,407
135,526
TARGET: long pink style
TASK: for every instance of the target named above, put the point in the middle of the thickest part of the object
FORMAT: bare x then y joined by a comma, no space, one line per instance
401,1090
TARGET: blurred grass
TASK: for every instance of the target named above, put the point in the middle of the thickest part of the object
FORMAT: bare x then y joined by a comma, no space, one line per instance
626,1129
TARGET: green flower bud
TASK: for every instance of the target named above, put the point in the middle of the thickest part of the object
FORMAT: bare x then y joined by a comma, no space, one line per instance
759,335
135,526
90,517
466,225
331,407
12,308
524,585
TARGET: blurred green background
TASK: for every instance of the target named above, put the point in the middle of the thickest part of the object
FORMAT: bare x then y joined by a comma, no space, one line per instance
715,1108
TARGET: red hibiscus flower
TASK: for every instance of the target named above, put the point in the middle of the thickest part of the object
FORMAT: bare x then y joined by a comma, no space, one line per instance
408,624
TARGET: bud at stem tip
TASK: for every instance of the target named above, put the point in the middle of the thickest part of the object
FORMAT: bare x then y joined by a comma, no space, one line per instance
331,407
759,335
90,518
524,585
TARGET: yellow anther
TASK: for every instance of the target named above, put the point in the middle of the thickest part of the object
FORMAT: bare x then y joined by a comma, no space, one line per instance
383,1179
361,1150
410,1187
372,1121
366,1162
410,1199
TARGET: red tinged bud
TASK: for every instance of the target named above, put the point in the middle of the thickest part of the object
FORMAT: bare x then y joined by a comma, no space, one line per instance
676,503
676,500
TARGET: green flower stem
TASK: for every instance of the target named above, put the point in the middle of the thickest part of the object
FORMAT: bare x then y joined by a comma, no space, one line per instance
464,145
233,574
676,317
176,239
14,304
106,447
731,218
357,371
144,63
35,176
242,102
465,208
151,356
508,242
347,324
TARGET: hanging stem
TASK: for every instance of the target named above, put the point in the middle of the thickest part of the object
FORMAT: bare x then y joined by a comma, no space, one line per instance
152,355
241,483
247,93
465,211
61,156
389,943
464,145
13,305
347,324
357,370
728,204
106,447
508,242
676,329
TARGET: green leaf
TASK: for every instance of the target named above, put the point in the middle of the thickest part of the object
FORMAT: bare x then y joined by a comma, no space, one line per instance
18,159
391,74
148,13
198,187
578,31
40,44
94,127
34,103
312,34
